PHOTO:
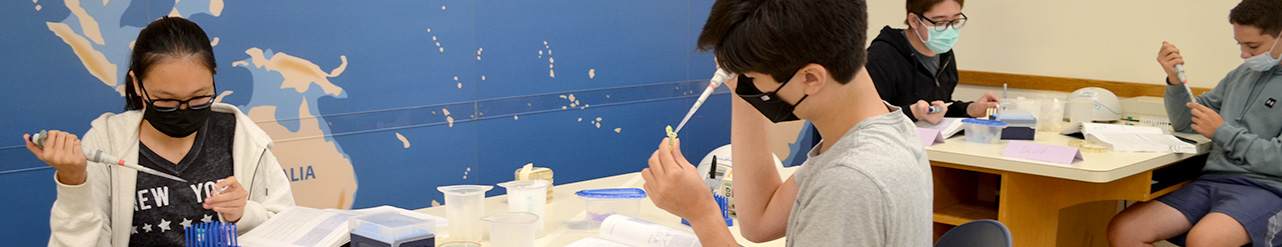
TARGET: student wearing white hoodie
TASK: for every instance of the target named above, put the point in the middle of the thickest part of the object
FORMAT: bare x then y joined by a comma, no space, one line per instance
171,124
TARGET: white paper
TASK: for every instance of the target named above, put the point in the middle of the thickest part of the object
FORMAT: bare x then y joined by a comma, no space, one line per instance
1137,142
1096,128
595,242
640,233
300,226
1126,138
947,127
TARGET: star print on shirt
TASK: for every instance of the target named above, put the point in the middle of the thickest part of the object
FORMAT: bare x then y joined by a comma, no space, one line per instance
135,230
146,227
164,225
186,223
207,219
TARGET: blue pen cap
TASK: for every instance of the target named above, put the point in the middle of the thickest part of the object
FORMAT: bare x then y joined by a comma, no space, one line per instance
617,193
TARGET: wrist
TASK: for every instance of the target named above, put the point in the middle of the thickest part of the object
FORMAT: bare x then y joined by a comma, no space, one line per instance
709,212
72,177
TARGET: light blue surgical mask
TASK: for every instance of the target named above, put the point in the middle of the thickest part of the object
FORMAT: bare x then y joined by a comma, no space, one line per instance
939,41
1265,61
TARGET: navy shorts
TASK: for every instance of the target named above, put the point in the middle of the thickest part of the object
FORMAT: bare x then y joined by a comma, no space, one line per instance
1253,204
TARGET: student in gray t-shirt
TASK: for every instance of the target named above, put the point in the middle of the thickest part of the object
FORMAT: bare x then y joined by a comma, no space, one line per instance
868,184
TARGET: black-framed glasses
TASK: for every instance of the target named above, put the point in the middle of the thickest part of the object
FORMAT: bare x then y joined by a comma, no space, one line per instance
170,105
940,26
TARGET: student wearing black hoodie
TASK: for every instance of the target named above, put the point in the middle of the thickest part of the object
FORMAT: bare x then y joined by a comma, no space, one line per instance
915,68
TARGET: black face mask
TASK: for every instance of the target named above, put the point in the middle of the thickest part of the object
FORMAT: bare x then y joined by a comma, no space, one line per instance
769,104
179,122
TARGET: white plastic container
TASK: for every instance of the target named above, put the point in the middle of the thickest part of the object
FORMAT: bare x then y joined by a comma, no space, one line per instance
391,229
1081,110
528,196
536,173
601,203
983,130
512,229
464,206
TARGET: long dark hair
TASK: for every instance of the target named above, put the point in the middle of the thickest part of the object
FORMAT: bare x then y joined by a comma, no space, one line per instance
168,37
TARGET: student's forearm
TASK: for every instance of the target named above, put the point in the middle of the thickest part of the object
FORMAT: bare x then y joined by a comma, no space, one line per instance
712,231
756,179
1177,111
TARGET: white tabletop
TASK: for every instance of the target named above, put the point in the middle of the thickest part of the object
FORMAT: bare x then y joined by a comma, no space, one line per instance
566,209
1100,167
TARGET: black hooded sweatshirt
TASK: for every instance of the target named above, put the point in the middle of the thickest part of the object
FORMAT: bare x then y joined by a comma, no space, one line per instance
902,79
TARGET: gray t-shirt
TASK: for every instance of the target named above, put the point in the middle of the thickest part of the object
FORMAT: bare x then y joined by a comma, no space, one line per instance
872,188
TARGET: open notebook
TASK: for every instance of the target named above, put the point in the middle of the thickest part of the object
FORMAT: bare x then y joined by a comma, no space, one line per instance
1123,138
948,127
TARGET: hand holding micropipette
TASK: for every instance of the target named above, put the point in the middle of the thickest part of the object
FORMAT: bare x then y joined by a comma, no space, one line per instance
63,153
67,153
1173,63
717,79
931,112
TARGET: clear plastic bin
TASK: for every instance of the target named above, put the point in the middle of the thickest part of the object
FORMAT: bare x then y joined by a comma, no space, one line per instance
601,203
391,230
983,130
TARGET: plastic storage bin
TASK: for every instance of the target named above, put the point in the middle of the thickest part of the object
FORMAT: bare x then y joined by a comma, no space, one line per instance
602,203
391,230
1020,125
983,130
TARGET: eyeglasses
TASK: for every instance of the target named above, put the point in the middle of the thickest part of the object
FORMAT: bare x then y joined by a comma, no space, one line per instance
940,26
170,105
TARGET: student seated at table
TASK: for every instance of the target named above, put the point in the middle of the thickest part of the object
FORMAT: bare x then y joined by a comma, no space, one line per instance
1238,200
869,184
915,68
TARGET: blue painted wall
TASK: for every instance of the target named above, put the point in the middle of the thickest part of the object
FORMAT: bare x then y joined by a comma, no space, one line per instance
632,64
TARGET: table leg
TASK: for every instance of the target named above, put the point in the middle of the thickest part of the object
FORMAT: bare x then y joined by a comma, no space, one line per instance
1042,210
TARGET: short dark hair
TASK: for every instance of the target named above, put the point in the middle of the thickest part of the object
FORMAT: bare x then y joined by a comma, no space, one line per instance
920,7
1263,14
165,38
779,37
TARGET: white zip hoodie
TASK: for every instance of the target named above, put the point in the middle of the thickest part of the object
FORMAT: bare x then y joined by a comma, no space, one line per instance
99,212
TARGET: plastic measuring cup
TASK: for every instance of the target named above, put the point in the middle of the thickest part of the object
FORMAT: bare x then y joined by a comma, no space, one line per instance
464,206
528,196
515,228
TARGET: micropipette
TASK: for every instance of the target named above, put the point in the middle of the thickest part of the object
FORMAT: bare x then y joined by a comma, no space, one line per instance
717,79
101,157
1179,71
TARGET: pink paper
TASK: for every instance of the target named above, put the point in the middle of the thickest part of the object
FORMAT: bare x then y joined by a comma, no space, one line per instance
1042,152
929,136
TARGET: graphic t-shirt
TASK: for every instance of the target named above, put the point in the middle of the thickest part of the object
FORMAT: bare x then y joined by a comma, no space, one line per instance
163,207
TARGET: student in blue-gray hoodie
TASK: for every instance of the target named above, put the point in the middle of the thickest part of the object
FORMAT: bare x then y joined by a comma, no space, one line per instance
1238,200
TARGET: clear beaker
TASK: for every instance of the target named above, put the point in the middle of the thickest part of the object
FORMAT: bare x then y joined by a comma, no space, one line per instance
464,206
516,229
528,196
